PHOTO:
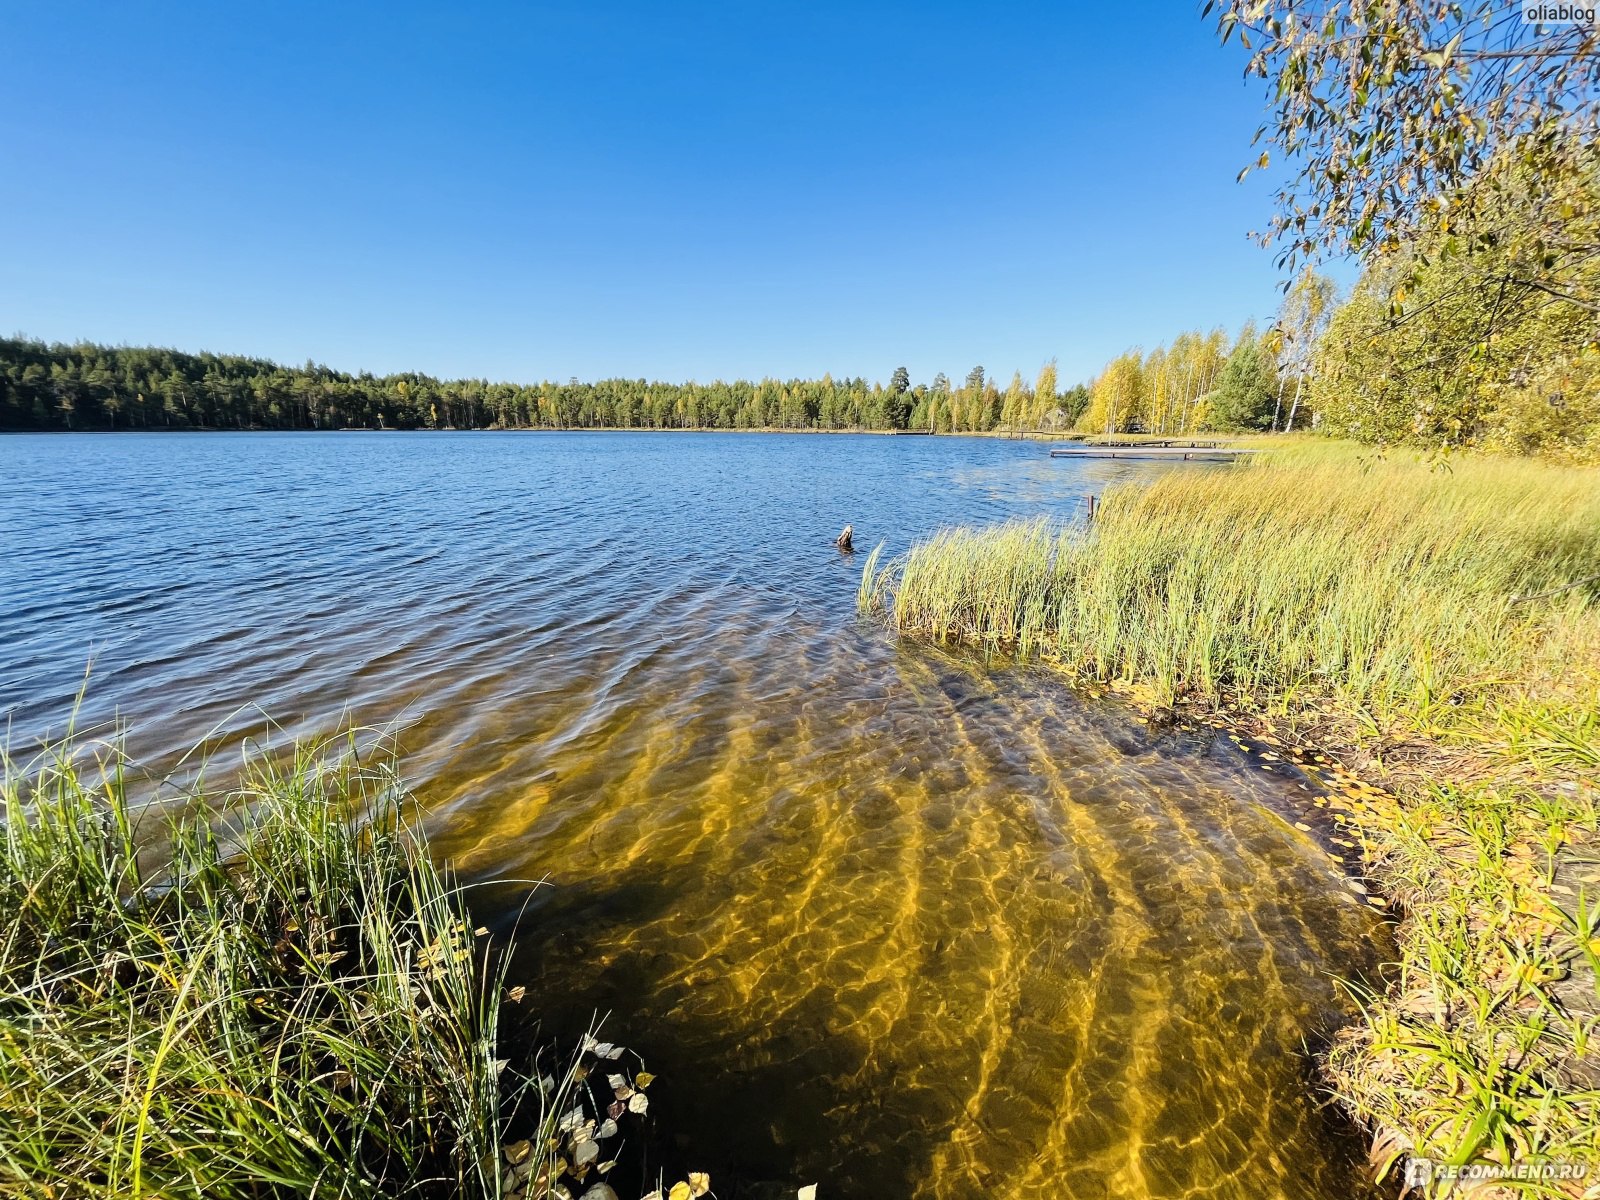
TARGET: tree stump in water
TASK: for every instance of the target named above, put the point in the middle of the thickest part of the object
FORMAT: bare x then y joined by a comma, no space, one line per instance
843,540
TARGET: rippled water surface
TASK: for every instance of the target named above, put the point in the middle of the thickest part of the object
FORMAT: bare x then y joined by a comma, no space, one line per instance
879,917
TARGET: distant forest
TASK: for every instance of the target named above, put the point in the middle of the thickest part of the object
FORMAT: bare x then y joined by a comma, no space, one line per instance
54,386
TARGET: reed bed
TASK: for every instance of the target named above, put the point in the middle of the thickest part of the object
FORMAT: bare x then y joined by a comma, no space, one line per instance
1432,625
292,1004
1391,584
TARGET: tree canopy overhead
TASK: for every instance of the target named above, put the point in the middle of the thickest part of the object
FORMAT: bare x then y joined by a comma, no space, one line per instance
1388,112
1454,149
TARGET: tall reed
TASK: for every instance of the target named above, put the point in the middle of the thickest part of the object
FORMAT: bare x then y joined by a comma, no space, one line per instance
294,1003
1390,584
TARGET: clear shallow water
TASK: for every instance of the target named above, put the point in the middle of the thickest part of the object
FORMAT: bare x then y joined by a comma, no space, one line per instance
880,918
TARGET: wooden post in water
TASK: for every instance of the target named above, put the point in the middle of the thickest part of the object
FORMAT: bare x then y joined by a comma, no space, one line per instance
843,540
1092,506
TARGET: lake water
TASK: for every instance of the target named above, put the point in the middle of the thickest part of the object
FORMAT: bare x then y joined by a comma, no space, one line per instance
879,917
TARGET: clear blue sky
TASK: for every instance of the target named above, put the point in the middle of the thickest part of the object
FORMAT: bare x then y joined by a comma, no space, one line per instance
531,190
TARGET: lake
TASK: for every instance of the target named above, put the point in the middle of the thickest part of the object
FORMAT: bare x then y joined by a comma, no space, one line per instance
881,917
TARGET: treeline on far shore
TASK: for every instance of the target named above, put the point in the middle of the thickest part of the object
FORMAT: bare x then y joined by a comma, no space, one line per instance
59,386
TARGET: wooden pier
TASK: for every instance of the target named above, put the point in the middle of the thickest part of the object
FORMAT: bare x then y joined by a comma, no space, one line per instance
1203,451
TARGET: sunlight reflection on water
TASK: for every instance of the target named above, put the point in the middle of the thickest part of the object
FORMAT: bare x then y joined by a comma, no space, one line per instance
878,917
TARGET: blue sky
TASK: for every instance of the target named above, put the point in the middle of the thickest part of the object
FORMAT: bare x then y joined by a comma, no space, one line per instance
529,191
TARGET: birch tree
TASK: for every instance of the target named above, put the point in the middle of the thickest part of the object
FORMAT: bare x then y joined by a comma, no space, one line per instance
1302,319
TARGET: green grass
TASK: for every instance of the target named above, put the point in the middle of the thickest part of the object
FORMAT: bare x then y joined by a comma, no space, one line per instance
1477,1052
1388,612
292,1004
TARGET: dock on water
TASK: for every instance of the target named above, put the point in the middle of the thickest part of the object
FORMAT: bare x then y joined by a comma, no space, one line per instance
1213,451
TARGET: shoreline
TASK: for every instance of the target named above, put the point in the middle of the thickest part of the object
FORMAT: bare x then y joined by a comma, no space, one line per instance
1367,630
1381,806
1021,436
